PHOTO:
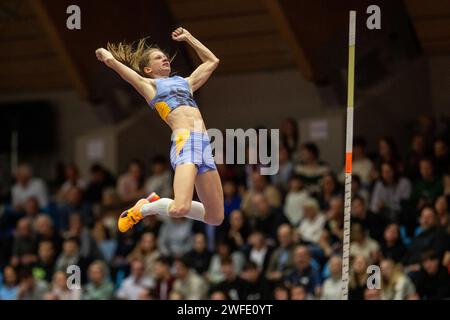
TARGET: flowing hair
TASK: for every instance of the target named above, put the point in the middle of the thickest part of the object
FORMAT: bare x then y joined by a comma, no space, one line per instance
135,55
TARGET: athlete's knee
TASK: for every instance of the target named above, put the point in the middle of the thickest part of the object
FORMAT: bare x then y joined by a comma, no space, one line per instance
215,219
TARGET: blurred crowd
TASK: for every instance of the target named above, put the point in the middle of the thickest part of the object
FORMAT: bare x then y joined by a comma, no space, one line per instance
281,237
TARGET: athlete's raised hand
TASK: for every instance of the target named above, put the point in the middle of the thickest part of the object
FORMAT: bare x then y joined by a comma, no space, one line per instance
103,54
180,34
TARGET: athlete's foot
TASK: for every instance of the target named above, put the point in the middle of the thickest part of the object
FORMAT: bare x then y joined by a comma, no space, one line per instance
133,215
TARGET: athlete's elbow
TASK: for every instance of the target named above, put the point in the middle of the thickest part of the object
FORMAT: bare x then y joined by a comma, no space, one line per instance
215,62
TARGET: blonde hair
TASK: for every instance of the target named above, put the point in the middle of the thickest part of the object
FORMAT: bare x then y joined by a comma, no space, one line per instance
135,55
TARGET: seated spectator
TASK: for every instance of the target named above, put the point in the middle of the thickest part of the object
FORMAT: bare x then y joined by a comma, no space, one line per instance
281,292
73,204
358,278
258,251
9,288
72,179
329,188
418,151
132,286
433,281
175,237
295,199
395,285
392,246
163,280
100,180
232,199
298,292
187,282
260,185
441,205
428,187
286,167
387,152
29,287
160,180
267,219
389,192
310,168
45,231
332,287
256,287
282,259
358,190
430,236
218,295
147,252
362,245
232,285
27,186
371,294
237,230
335,222
59,289
223,252
99,286
88,247
45,266
362,166
24,245
303,273
130,185
441,155
199,257
374,223
313,222
70,255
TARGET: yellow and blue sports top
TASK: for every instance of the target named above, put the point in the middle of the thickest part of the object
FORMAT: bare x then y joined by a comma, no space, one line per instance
171,93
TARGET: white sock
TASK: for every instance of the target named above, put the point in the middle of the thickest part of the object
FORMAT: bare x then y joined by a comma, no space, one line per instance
161,207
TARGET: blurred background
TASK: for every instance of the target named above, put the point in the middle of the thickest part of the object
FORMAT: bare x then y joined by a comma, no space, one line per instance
78,145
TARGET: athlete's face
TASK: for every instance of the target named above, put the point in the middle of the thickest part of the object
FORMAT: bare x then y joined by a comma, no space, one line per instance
159,64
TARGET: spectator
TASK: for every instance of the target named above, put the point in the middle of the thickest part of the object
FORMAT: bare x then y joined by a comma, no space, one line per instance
267,218
160,180
100,180
304,274
29,287
298,292
286,167
418,151
443,213
374,223
387,152
147,252
329,188
199,257
175,237
218,295
99,286
130,185
295,199
362,166
335,222
73,204
371,294
258,251
24,245
59,289
256,287
27,186
232,285
135,283
260,185
282,259
310,168
232,199
392,246
9,288
358,278
72,179
187,282
70,255
237,231
428,187
389,192
332,287
45,265
441,156
88,247
45,231
433,281
289,134
163,280
281,292
362,245
224,252
312,224
395,285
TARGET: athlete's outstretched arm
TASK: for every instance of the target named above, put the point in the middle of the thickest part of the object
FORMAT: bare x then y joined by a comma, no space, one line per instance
132,77
209,60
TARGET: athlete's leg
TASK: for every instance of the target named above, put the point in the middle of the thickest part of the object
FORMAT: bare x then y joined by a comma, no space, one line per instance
209,190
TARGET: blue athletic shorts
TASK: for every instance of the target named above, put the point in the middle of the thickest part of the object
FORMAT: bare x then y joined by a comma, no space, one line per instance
192,147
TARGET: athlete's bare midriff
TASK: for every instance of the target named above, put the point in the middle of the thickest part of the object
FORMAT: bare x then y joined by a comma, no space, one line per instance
186,117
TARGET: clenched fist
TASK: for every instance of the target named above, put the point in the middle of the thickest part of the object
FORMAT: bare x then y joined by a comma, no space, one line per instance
103,54
180,34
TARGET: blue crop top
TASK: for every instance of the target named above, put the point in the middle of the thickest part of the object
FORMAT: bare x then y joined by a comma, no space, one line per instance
171,93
